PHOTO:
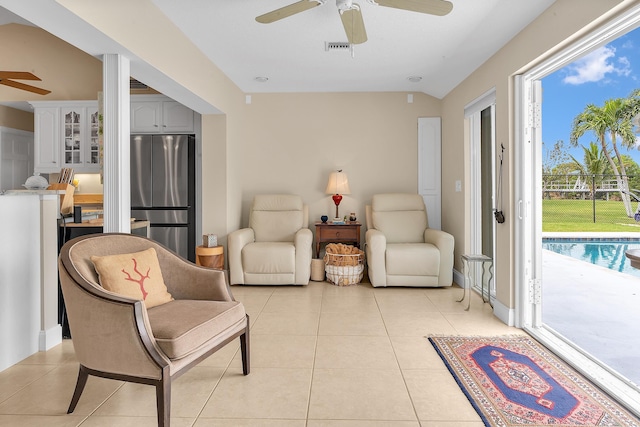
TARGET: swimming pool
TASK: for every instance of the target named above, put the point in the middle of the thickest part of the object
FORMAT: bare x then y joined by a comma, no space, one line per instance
605,253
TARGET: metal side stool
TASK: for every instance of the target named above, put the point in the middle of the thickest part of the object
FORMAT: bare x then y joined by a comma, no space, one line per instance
471,279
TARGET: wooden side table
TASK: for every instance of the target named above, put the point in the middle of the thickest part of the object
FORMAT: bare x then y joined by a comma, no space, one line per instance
210,257
327,232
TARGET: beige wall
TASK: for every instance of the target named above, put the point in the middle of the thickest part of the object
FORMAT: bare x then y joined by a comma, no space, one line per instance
289,143
16,119
541,38
65,70
214,177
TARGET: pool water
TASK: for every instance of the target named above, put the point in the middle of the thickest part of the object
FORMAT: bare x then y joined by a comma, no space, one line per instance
605,253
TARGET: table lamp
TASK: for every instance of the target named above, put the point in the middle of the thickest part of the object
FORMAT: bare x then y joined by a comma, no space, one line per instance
338,185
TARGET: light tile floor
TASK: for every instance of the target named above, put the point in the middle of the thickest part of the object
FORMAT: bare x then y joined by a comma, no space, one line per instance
322,356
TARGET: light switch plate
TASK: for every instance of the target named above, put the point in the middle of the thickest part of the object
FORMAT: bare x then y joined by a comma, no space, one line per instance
458,186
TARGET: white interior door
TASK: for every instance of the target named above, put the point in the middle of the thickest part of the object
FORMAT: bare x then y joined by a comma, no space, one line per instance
429,168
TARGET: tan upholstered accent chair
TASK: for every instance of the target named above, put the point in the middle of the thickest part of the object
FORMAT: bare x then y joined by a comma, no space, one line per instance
276,248
401,249
118,337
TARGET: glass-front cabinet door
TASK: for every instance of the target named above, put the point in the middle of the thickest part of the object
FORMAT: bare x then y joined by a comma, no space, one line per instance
72,136
93,146
80,140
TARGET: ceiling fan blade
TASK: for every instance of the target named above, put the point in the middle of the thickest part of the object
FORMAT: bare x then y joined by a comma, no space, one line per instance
354,25
23,86
292,9
432,7
19,75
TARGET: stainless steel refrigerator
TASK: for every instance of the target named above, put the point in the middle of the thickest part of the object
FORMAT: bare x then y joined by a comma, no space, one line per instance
163,189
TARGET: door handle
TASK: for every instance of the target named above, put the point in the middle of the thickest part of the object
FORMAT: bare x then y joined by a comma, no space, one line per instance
520,209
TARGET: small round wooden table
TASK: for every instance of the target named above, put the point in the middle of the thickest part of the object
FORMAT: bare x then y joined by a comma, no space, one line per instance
634,257
210,257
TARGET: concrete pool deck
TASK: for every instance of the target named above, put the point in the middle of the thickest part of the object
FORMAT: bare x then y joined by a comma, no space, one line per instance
585,235
596,308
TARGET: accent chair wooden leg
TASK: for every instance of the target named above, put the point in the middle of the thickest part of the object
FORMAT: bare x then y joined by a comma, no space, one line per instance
163,399
83,375
245,349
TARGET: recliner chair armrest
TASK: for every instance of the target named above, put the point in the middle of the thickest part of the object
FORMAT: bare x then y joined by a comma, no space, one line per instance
236,240
445,243
303,242
303,239
375,248
441,239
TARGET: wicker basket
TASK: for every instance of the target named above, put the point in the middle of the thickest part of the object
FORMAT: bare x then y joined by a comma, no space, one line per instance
344,270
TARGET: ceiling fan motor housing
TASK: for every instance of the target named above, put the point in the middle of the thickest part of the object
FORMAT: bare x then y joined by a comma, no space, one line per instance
344,5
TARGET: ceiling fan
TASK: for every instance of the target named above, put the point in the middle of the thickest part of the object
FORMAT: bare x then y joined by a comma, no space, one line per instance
351,15
6,78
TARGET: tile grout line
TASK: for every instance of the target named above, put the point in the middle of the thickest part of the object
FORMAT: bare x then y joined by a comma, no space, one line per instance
226,369
315,355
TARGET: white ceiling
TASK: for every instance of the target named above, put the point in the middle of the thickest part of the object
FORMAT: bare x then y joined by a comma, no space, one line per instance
291,52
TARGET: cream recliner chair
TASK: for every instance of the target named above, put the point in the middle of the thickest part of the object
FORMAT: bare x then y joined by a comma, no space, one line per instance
276,248
401,249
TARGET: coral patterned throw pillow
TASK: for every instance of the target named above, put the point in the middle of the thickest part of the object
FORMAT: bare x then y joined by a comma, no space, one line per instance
136,275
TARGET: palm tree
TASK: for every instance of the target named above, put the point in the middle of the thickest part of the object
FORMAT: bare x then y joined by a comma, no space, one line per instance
613,119
595,164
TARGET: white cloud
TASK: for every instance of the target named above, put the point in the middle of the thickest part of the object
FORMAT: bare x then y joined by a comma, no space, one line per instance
596,66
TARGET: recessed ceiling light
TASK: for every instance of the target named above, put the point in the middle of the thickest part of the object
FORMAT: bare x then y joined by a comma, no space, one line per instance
414,79
261,79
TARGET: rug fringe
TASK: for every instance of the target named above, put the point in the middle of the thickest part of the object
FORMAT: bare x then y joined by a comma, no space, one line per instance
524,334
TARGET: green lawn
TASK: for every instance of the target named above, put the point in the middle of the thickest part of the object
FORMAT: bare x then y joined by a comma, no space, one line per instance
577,215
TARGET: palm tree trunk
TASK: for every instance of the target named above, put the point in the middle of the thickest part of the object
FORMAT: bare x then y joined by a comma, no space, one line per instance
622,186
622,179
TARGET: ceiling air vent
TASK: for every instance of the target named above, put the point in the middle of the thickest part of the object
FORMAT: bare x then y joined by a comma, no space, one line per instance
329,46
135,84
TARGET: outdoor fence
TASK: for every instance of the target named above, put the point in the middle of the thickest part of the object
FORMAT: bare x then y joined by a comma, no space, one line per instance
590,198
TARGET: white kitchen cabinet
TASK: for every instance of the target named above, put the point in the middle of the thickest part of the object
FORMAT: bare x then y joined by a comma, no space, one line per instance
16,158
46,139
159,114
66,136
80,145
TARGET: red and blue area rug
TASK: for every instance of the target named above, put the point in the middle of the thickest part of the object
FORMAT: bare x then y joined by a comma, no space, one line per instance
515,381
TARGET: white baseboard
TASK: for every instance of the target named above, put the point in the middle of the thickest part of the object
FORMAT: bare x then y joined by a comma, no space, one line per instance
458,278
501,311
504,313
50,338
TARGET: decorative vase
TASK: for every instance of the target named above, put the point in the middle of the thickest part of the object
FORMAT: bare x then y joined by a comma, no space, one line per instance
324,218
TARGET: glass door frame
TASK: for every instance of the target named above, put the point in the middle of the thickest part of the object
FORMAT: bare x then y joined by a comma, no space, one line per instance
528,228
472,113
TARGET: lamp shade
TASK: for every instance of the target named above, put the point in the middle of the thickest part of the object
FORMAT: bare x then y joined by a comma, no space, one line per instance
338,183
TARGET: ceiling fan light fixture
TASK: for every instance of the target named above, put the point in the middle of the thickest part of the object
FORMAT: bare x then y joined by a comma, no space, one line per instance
414,79
260,79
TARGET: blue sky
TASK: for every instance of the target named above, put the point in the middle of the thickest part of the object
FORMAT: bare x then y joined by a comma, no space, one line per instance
611,71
